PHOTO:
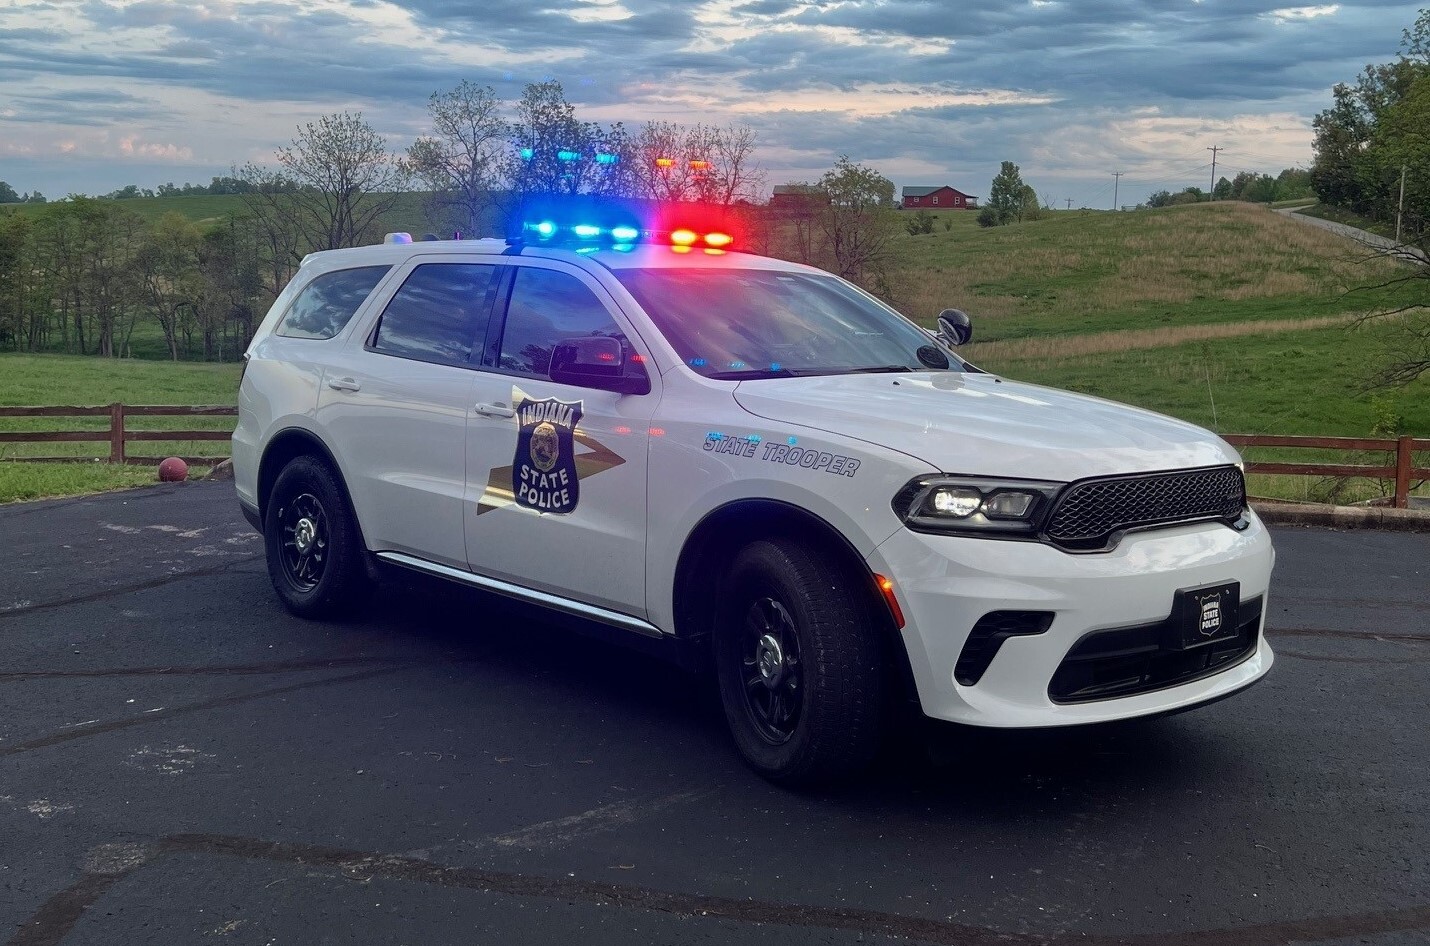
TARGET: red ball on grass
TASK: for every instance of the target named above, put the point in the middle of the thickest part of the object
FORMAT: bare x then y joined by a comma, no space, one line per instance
173,470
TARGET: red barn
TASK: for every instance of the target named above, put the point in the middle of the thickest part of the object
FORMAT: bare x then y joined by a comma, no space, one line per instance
938,198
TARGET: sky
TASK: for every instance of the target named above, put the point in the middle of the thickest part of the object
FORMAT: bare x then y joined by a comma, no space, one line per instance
98,94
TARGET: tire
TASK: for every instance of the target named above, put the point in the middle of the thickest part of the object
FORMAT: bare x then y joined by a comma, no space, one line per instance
315,553
807,707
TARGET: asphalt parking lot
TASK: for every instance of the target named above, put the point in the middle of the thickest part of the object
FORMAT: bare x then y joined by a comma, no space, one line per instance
181,762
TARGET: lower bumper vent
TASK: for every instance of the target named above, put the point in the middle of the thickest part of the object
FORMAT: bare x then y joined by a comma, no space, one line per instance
988,636
1130,660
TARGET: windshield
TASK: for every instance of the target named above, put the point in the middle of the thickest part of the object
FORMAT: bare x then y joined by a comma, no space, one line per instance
738,324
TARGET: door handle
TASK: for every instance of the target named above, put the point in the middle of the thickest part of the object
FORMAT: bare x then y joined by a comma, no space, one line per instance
496,410
344,384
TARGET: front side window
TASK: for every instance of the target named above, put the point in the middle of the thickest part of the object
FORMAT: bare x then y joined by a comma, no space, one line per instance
548,307
439,313
327,304
739,324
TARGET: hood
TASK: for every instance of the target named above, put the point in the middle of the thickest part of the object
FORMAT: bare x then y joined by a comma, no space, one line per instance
980,424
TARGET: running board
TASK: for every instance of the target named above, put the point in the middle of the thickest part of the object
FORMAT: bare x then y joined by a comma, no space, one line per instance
555,602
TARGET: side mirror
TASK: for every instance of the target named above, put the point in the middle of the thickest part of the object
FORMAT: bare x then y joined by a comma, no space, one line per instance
954,326
597,361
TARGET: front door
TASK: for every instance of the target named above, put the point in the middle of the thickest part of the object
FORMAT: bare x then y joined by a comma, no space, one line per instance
556,489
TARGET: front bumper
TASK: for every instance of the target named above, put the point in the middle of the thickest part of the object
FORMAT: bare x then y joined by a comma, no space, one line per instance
945,584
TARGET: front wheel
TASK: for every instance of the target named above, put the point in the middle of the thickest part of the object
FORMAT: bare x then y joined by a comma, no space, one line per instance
315,555
799,664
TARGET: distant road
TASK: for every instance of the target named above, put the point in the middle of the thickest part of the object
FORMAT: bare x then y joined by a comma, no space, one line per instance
1365,238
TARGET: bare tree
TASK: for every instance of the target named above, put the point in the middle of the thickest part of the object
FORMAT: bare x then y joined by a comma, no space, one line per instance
334,184
735,175
1402,301
461,161
699,162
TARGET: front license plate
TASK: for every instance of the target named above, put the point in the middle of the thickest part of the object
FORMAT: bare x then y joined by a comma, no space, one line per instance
1204,615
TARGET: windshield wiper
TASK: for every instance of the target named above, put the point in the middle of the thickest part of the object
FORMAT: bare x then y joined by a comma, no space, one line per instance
753,374
877,369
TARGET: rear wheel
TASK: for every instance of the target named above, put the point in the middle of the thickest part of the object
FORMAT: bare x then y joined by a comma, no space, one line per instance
799,664
315,556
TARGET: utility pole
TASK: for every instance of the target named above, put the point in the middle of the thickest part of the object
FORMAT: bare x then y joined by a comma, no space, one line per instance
1400,207
1116,183
1069,200
1211,195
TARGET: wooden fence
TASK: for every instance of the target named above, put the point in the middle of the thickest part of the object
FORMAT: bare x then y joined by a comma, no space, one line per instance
1401,469
118,436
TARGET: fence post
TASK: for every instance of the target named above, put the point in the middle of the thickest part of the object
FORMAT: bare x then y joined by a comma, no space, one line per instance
116,433
1403,454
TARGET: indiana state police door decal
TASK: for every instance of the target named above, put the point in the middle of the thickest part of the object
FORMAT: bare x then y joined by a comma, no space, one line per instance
543,475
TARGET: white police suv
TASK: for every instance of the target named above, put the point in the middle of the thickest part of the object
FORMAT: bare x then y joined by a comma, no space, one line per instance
752,462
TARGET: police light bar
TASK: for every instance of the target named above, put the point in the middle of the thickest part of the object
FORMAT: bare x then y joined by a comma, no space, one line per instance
588,223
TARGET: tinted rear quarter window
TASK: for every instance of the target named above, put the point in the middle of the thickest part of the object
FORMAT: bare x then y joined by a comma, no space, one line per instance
438,314
327,304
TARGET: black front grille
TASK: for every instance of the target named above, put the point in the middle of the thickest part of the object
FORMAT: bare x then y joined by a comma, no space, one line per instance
1089,512
1131,660
988,636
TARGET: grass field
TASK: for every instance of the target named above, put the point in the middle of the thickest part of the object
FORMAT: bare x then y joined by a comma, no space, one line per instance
1095,271
84,381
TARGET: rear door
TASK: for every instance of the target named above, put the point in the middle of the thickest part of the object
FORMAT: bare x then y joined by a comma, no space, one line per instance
396,407
556,472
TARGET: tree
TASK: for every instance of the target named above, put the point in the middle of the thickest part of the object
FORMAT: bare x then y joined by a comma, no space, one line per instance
232,294
1401,142
859,222
1352,168
552,152
1006,196
8,194
333,184
460,163
919,223
1029,207
168,268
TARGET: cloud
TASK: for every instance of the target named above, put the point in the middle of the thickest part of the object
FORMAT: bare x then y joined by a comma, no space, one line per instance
132,146
1072,89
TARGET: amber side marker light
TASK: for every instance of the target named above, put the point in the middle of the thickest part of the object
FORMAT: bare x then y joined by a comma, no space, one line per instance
886,588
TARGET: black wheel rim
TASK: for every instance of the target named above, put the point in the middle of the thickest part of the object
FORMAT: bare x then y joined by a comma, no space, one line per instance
770,671
304,541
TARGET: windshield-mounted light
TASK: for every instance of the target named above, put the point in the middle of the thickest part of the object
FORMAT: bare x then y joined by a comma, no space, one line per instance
976,505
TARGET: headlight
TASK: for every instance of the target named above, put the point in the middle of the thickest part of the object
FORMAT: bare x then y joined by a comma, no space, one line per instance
974,505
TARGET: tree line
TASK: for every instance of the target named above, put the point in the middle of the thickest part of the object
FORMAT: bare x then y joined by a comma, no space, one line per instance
1373,138
89,276
1290,184
82,275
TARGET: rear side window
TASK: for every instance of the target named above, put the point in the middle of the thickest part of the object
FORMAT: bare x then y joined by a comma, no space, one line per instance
328,303
438,314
